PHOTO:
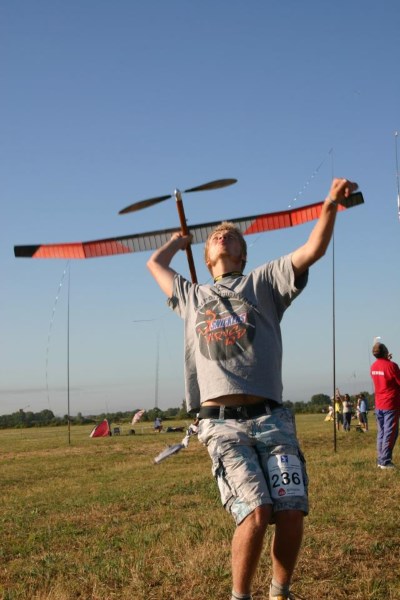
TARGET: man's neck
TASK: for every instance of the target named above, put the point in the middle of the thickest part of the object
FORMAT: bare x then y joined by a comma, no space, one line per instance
226,266
228,274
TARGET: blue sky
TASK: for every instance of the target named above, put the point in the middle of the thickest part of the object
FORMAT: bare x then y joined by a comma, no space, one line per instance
106,103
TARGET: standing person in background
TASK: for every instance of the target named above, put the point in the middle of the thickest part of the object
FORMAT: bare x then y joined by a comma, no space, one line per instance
233,373
158,425
338,410
386,378
347,409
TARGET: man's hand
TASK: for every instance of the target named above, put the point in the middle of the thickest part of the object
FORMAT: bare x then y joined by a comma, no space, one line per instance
340,189
182,241
319,239
158,263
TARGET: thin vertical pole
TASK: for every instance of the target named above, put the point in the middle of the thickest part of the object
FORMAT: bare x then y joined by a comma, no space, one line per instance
334,342
157,371
397,174
333,323
68,403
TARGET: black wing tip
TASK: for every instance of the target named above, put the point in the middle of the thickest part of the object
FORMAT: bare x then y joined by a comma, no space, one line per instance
353,200
25,251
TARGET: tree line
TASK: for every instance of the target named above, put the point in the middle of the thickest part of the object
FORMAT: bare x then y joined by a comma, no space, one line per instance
45,418
319,403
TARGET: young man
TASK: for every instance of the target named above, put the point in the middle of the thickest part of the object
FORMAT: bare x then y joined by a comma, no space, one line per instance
233,361
386,377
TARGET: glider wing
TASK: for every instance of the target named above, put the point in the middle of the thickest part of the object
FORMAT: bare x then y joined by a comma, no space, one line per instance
168,452
171,450
152,240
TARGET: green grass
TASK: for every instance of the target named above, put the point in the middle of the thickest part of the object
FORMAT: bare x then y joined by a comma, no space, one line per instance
98,520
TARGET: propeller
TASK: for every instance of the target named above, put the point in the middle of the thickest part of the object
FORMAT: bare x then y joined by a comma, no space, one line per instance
211,185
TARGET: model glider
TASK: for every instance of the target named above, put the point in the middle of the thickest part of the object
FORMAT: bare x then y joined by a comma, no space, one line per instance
151,240
174,449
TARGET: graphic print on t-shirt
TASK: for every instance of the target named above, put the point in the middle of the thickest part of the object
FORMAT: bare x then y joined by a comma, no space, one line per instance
225,327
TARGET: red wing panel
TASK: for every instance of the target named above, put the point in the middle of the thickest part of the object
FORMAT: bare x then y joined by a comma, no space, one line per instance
104,248
269,222
152,240
60,251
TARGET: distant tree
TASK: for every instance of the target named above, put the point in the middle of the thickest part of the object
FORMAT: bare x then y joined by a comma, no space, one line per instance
183,413
300,407
171,413
153,413
45,417
320,399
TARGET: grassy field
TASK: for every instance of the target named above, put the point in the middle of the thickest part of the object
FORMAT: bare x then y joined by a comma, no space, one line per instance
98,520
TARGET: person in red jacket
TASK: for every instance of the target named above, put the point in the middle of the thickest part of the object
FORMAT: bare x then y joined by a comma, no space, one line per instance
386,378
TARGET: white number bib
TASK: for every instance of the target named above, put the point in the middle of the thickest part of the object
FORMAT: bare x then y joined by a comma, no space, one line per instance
285,476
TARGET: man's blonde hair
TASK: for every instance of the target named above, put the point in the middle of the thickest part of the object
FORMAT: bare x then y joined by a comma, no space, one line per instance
231,227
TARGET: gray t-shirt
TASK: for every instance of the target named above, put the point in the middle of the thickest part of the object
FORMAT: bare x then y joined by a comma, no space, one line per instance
233,342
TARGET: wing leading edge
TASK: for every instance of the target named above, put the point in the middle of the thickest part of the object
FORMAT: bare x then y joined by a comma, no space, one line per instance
152,240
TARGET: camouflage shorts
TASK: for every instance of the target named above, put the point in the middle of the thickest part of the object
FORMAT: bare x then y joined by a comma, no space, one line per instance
257,461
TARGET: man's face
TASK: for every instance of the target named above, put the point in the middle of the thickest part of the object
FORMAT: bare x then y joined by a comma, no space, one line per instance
224,243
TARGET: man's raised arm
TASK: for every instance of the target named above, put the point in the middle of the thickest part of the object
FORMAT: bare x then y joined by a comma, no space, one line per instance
158,263
319,239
